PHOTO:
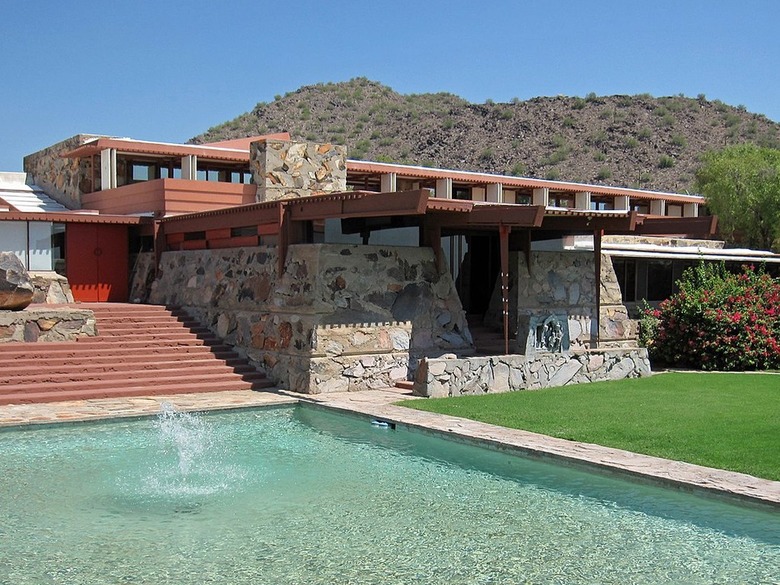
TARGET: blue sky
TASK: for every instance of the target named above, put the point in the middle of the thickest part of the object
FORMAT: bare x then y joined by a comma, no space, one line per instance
168,70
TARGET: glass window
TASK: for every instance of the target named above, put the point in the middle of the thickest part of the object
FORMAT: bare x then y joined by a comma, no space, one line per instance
461,193
625,270
142,172
660,280
601,204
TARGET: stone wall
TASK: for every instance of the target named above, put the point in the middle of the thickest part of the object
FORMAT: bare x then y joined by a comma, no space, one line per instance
63,179
451,376
340,317
564,283
38,323
288,170
141,277
50,288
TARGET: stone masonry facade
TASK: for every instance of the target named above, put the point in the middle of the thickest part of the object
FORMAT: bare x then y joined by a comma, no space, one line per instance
288,170
63,179
340,317
564,283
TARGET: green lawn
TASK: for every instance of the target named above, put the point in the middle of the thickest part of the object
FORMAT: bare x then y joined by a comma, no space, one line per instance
728,421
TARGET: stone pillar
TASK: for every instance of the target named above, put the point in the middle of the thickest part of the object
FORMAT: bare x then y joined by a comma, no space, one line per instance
541,196
582,200
108,169
691,210
388,183
622,203
286,170
495,193
657,207
189,167
444,188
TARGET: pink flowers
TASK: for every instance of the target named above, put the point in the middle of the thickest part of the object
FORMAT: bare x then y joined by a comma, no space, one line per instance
720,320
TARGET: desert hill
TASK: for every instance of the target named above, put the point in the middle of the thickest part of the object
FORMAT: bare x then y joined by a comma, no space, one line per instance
632,141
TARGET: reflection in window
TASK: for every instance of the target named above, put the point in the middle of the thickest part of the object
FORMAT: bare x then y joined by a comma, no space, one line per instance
625,270
660,280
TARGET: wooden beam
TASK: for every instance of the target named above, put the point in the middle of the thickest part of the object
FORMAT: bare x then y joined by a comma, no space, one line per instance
359,204
503,236
691,227
229,218
589,223
488,216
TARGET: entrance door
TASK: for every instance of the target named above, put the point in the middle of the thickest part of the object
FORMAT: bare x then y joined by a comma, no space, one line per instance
485,268
96,261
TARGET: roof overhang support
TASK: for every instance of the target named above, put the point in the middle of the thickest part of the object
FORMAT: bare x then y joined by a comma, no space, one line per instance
588,223
503,237
690,227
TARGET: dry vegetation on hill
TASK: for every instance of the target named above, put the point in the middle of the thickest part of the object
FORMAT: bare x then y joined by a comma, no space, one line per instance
633,141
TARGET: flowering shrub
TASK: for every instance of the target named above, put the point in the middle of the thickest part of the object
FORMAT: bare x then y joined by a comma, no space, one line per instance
719,321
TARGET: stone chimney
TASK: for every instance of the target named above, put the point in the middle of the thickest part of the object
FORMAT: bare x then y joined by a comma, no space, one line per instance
287,170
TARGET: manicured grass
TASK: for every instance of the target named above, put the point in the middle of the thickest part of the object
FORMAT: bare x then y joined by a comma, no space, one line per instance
727,421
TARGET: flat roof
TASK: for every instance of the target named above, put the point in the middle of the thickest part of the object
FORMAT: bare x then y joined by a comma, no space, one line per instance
237,151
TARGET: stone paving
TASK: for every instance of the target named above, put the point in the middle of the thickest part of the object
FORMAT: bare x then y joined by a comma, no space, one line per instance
379,403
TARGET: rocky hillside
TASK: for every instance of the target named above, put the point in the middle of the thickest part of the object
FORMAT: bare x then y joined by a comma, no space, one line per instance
634,141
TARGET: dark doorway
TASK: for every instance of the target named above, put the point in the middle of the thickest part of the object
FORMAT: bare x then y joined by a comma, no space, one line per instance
483,269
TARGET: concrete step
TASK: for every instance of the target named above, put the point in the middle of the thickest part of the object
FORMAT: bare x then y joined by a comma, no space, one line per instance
140,350
128,373
196,381
84,353
57,395
124,328
118,364
150,337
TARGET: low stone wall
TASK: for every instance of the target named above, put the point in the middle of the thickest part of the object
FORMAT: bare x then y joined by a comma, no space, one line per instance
36,323
451,376
340,317
50,288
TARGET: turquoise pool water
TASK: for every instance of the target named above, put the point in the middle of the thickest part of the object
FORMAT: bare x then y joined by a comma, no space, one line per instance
298,495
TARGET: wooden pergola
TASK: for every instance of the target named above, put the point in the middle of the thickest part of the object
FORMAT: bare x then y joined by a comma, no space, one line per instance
362,212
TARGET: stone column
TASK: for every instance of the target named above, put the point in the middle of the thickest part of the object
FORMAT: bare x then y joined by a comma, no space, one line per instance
287,170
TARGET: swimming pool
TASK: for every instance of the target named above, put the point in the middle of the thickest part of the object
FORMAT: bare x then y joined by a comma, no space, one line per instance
300,495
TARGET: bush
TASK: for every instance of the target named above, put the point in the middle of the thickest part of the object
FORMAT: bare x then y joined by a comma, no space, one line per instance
719,321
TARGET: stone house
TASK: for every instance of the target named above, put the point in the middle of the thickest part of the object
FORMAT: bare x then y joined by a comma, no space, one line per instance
333,274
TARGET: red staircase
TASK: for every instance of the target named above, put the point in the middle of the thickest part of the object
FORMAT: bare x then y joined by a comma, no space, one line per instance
141,350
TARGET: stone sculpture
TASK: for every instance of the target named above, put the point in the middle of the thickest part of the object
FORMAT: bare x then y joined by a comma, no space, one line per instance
16,288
